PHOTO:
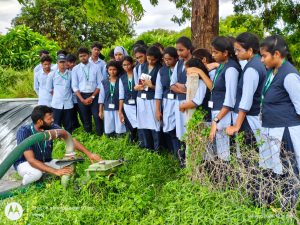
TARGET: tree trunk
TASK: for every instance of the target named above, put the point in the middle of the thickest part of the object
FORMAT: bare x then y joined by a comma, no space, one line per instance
205,22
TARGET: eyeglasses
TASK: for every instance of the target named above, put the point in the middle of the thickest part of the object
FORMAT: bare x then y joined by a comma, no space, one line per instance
125,65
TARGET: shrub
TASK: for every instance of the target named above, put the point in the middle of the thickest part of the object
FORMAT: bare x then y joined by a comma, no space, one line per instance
20,47
16,84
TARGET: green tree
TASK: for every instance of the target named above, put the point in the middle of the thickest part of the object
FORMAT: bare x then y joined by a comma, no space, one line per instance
236,24
279,17
20,46
70,24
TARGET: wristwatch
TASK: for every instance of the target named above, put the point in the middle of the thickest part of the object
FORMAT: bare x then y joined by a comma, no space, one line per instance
93,96
216,119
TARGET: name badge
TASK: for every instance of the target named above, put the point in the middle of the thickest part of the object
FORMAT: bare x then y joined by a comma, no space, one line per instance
210,104
111,106
131,101
144,95
170,96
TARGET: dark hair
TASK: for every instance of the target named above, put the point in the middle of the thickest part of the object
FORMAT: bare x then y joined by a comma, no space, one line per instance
128,58
159,45
116,64
111,53
140,49
276,43
139,43
83,50
223,44
97,45
171,51
155,52
46,58
39,113
248,40
71,58
194,62
186,42
43,51
201,53
61,52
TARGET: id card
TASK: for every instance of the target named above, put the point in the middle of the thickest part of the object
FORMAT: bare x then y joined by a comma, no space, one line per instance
170,96
143,95
131,101
210,104
111,106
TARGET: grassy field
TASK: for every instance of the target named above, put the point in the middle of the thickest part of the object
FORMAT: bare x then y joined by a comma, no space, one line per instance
149,189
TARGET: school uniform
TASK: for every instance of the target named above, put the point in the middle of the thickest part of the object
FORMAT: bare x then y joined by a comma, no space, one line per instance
109,97
62,102
85,79
148,126
248,96
129,95
281,120
224,95
179,76
101,66
168,100
39,85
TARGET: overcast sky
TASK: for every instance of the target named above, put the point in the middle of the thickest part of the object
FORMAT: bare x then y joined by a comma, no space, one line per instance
155,17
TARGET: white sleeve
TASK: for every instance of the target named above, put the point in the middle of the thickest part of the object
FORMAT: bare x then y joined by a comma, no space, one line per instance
36,83
250,84
292,86
200,94
102,94
158,87
231,81
75,85
121,90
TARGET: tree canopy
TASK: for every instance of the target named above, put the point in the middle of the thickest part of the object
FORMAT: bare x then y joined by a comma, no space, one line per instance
71,24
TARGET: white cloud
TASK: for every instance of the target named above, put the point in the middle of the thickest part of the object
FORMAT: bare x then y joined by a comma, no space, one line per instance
155,17
8,10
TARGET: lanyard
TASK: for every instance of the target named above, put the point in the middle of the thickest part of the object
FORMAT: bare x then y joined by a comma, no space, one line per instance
64,76
111,89
45,144
220,67
268,83
86,74
170,73
129,84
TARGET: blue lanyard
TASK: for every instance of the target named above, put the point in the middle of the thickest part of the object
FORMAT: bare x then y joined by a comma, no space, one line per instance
86,74
64,76
40,148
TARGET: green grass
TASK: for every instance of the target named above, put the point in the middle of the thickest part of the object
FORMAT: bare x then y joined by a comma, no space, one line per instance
149,189
16,84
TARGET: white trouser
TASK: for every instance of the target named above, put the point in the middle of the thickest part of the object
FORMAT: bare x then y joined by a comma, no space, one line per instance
31,174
